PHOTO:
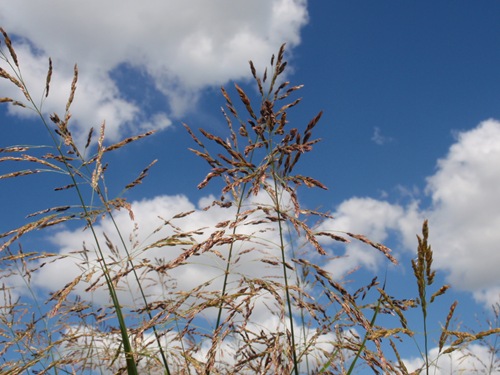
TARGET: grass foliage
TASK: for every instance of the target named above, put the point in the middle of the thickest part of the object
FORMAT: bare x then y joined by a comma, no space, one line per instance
265,261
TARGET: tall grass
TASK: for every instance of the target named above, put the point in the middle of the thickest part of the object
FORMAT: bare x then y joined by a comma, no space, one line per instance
266,305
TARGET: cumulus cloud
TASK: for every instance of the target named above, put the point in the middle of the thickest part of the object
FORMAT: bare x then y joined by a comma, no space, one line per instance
465,212
105,344
464,216
183,49
370,217
475,359
148,227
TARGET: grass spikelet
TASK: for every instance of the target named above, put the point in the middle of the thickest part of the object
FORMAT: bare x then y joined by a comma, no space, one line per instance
141,176
289,91
444,333
33,159
128,140
25,172
47,80
383,249
333,236
96,174
439,292
62,294
65,187
47,210
394,308
246,101
15,81
89,137
16,103
8,43
73,88
401,363
257,79
22,230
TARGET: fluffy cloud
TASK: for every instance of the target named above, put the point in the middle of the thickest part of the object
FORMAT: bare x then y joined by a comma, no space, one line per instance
464,216
148,227
182,49
105,345
369,217
476,359
465,212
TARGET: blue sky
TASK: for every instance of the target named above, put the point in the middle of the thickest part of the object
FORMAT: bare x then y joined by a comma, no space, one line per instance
410,93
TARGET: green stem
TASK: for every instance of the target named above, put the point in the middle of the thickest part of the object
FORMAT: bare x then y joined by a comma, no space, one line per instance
143,295
365,339
131,366
283,261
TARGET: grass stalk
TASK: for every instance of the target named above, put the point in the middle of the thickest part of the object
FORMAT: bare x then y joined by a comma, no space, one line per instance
425,278
256,160
129,356
285,272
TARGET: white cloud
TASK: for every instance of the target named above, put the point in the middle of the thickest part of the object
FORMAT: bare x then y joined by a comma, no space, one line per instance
104,346
149,216
464,216
369,217
475,359
184,48
97,97
465,212
378,138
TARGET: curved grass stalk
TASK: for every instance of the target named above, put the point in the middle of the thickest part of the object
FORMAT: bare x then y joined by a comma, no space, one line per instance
143,295
38,308
365,339
230,252
240,170
129,357
228,262
285,273
299,281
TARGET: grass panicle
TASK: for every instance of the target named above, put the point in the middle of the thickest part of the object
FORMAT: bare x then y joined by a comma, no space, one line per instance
267,304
